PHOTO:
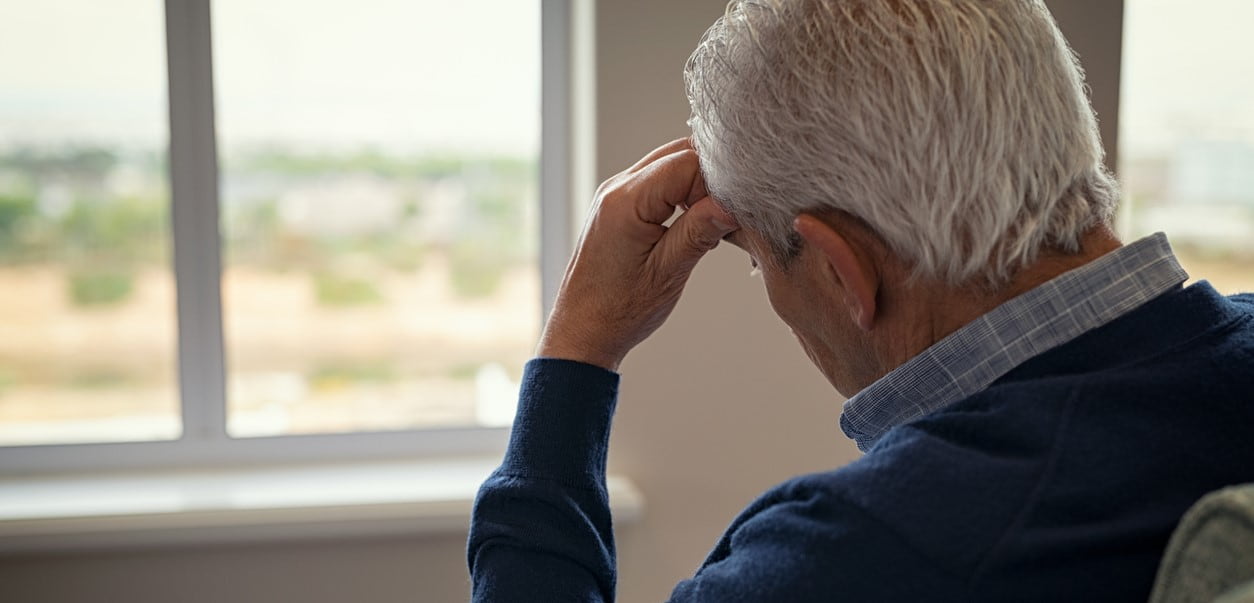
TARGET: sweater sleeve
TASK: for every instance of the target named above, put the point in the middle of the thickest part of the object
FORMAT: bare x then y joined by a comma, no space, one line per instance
540,529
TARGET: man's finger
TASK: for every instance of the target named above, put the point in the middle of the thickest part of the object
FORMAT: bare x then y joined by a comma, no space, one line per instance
693,234
665,184
673,146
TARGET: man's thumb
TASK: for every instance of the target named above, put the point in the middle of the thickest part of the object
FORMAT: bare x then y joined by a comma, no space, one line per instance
694,233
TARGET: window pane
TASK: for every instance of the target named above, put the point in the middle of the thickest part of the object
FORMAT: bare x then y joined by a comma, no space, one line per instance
379,190
1187,133
87,320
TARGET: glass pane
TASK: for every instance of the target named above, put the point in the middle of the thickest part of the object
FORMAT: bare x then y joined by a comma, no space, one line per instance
379,192
87,318
1187,133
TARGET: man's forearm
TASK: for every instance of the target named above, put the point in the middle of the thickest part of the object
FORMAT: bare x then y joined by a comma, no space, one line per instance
541,529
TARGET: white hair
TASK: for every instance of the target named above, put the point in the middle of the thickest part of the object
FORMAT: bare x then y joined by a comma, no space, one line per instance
959,131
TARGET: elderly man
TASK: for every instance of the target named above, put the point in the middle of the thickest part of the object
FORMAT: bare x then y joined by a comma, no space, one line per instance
921,184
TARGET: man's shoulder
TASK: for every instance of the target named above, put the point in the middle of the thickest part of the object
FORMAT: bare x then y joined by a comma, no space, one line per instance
955,491
807,538
941,496
960,490
1246,300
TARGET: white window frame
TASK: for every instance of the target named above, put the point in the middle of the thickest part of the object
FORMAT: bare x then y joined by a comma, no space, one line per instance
197,265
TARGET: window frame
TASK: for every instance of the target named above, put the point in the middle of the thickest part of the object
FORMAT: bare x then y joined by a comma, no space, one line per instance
197,265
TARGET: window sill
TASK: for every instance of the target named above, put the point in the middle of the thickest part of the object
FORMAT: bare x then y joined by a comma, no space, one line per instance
196,507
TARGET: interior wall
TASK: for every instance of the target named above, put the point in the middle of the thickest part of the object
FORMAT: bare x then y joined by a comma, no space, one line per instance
718,406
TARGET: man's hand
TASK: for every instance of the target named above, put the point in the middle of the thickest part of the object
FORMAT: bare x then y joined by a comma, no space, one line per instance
629,269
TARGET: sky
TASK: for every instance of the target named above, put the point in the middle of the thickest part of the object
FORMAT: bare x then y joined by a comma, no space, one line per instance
319,74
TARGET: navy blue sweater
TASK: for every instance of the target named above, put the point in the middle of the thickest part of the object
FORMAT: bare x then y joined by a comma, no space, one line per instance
1061,481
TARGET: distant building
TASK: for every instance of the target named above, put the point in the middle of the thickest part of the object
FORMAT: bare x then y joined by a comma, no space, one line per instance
341,206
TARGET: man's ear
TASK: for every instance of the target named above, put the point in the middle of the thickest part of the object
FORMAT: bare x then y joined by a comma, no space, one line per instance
859,278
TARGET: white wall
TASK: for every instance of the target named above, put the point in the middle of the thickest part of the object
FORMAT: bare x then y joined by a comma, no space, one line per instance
718,406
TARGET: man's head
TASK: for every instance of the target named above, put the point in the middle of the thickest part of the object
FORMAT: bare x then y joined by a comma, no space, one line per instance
947,144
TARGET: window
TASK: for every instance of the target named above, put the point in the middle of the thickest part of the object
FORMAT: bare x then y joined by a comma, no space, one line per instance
379,208
1187,133
87,324
332,242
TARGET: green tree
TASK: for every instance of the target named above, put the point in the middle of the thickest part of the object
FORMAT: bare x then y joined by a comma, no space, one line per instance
16,213
105,243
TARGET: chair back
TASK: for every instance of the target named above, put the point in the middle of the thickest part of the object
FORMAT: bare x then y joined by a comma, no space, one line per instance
1210,558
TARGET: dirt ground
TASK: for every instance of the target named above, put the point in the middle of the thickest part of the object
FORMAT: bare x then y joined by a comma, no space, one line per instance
416,359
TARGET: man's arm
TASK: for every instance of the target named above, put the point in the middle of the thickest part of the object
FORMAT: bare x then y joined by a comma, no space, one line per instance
808,541
541,528
541,523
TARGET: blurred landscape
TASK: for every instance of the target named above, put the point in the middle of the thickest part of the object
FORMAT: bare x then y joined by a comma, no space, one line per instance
1186,134
361,291
378,216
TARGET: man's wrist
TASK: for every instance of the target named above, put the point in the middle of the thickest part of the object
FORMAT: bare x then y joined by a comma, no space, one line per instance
561,430
556,345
